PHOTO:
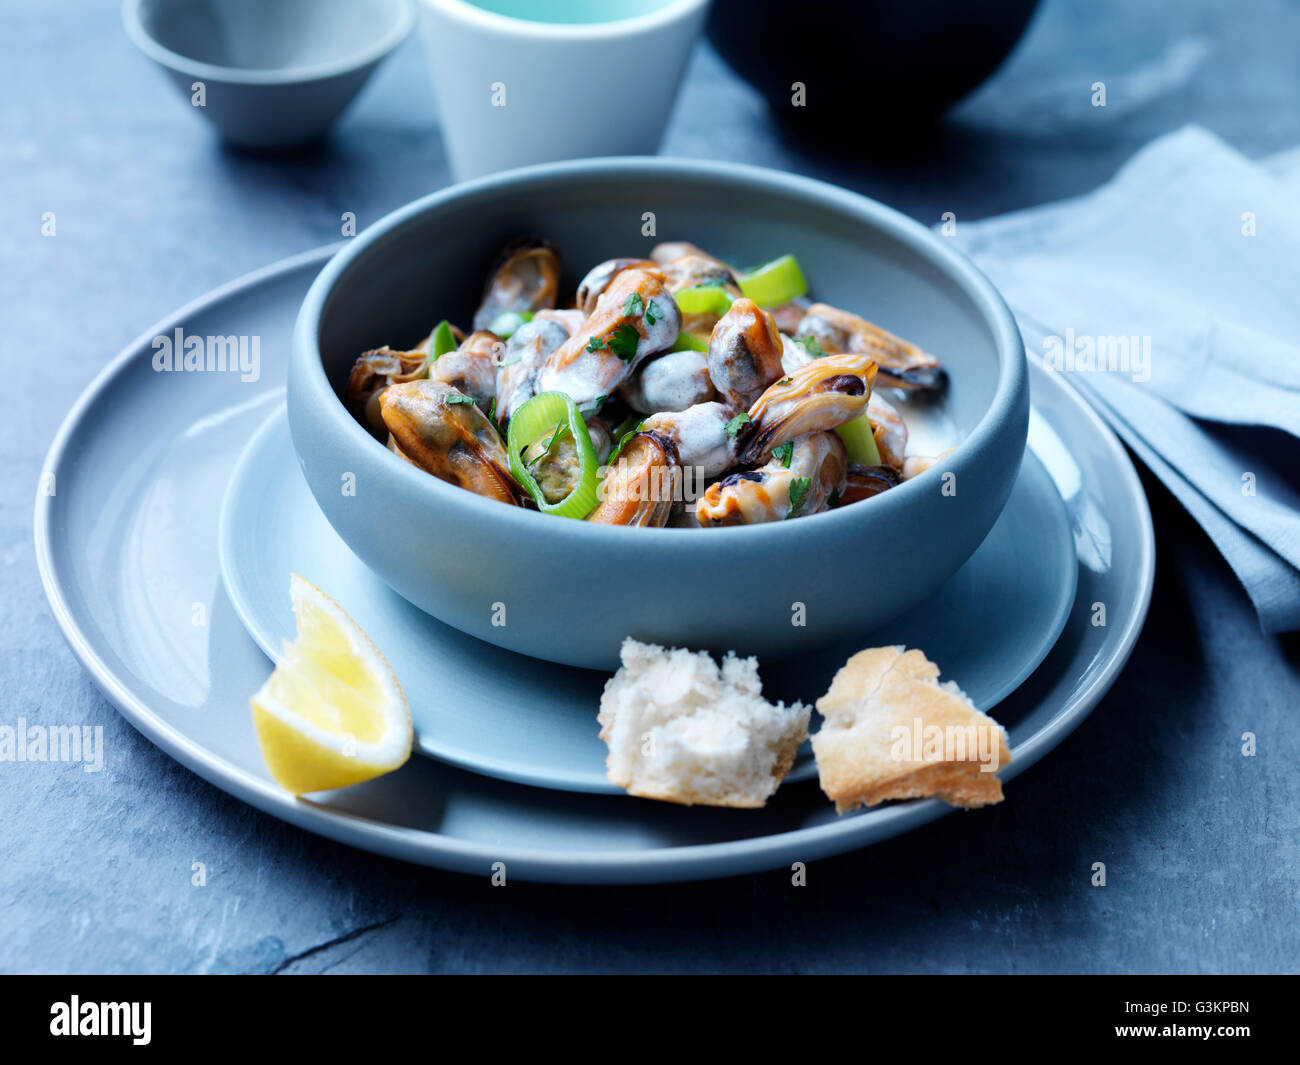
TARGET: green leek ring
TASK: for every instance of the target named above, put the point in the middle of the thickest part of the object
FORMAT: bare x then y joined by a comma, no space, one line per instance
546,411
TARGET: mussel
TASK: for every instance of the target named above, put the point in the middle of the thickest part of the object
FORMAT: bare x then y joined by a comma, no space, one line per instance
526,278
443,432
642,485
526,353
472,367
822,395
693,269
598,279
696,268
902,364
671,382
863,482
744,353
787,486
670,250
375,371
704,436
889,429
635,317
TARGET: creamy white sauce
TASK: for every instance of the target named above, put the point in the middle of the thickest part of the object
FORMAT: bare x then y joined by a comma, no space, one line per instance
930,428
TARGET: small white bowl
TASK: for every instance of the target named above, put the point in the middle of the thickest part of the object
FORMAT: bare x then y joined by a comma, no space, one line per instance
513,91
269,74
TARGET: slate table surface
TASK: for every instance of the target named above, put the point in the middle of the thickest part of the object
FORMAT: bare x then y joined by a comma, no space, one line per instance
1201,844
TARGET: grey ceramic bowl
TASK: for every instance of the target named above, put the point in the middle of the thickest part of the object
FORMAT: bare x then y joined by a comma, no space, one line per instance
568,591
275,73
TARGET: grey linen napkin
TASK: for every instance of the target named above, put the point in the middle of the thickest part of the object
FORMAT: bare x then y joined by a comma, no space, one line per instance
1170,297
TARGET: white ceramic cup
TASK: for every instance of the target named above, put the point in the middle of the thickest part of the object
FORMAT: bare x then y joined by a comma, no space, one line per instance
532,81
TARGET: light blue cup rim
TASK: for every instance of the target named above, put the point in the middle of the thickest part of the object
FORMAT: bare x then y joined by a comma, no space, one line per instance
1011,392
493,21
140,36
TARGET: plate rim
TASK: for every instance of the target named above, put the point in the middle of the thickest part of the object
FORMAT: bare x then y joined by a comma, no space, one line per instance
686,862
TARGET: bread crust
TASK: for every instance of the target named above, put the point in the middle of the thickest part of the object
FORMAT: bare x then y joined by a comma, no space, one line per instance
879,715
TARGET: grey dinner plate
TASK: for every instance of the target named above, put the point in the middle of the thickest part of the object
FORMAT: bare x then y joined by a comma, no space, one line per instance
126,541
518,718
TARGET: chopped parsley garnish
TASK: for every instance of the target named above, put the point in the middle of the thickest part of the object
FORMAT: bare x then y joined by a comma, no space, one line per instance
653,313
736,424
456,398
812,347
624,341
798,494
784,453
595,344
785,381
492,417
632,305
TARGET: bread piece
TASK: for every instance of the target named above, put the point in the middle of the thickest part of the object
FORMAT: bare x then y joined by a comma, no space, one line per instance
890,730
681,729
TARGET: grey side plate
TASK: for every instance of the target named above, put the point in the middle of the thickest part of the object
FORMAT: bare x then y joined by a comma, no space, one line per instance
127,547
487,709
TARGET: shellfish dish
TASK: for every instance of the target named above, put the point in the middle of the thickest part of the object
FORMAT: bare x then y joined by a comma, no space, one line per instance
673,390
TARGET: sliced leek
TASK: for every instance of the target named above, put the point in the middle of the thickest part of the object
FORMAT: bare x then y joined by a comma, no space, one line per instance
548,413
507,323
443,341
774,283
689,342
860,440
703,299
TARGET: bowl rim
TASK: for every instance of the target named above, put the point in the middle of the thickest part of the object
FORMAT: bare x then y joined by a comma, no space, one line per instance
307,370
140,36
495,22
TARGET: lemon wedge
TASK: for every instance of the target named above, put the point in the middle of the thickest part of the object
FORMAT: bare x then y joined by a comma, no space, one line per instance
332,712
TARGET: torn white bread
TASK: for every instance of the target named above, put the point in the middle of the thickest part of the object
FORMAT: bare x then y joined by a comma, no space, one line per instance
683,729
890,730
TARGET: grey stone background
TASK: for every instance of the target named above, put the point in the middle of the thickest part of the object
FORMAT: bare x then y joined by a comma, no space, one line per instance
1201,844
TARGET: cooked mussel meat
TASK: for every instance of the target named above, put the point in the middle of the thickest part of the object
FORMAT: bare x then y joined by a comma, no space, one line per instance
799,481
824,394
525,279
375,371
902,364
672,382
744,353
443,432
635,317
642,484
472,367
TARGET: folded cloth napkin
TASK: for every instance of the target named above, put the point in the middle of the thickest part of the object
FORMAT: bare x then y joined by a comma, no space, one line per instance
1171,298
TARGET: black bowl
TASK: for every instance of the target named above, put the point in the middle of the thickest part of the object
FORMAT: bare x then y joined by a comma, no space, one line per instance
866,64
